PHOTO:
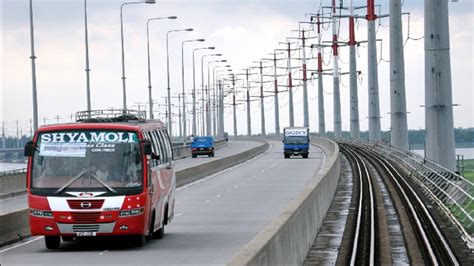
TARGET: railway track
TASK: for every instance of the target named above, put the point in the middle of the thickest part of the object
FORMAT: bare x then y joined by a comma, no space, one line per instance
367,238
363,243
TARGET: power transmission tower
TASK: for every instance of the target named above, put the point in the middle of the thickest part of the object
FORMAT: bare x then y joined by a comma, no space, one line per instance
398,112
438,88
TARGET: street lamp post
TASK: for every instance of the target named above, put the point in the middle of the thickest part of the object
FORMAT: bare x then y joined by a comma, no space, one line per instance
214,92
148,56
86,39
194,88
202,89
168,76
184,93
33,69
123,53
208,96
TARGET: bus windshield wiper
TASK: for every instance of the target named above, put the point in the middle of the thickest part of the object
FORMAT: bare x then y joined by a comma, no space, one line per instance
61,189
78,177
103,183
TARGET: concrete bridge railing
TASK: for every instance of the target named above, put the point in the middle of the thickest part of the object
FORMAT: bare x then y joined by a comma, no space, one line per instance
289,237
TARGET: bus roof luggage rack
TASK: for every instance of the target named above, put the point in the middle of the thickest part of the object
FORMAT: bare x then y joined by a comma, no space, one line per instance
111,115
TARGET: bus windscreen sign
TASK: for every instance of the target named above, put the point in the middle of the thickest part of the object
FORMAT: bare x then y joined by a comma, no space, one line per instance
75,144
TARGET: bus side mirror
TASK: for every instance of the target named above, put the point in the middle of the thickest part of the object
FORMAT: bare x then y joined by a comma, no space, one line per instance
29,149
147,147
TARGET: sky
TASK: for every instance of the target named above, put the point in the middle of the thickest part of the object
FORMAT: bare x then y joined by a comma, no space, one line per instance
243,31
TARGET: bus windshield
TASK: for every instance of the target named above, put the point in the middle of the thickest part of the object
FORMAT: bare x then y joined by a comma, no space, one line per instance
77,160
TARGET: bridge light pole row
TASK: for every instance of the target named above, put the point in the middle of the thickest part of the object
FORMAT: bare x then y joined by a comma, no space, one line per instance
150,101
184,93
170,126
194,127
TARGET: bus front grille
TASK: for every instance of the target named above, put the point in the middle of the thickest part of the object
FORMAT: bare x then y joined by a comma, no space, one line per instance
85,228
85,204
85,217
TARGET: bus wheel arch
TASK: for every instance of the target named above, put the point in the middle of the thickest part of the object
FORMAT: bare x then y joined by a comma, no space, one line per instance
165,214
151,229
160,233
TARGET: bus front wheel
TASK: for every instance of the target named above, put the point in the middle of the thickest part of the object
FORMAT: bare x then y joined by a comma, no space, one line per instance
52,242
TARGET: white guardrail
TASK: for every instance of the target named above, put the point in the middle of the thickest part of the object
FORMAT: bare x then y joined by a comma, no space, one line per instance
450,192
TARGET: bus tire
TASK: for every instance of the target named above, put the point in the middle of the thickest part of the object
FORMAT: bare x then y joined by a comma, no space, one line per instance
194,155
52,242
161,232
152,233
305,156
287,156
140,240
67,238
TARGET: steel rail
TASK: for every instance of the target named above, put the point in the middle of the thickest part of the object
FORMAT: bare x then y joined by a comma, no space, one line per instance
447,190
361,166
428,244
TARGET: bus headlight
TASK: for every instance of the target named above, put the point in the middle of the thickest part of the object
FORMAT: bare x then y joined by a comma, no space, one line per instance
132,212
39,213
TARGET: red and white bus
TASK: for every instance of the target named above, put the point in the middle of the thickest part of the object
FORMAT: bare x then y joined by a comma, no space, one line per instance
109,174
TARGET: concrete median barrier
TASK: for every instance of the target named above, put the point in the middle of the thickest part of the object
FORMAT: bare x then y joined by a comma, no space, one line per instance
183,152
12,185
288,238
15,226
196,172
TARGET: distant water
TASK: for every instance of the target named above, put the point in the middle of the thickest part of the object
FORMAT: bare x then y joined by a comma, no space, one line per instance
467,152
11,166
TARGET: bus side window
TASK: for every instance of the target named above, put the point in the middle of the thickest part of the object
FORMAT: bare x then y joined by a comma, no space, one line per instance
169,149
163,146
147,137
157,144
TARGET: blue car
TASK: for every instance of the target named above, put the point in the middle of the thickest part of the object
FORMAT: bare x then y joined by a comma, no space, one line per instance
202,146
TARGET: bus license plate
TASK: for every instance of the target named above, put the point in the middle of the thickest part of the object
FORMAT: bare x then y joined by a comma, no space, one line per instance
85,233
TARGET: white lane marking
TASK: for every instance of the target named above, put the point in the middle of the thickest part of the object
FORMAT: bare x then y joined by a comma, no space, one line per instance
270,146
223,171
229,190
102,253
21,244
207,201
236,186
178,214
218,196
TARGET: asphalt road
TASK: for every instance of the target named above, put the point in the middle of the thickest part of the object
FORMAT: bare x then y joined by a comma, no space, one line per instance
214,218
233,147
